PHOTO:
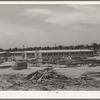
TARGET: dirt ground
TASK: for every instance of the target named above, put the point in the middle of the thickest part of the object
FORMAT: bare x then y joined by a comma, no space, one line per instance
77,71
78,79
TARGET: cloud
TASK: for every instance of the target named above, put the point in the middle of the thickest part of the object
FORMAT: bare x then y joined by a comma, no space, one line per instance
41,25
38,11
82,14
63,19
71,15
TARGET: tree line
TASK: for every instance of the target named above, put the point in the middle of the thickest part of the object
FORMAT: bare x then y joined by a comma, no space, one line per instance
93,46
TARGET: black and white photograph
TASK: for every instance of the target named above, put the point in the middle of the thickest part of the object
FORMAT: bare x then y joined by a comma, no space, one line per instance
50,47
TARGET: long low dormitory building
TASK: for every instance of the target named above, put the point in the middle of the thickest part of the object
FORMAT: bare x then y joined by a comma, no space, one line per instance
45,54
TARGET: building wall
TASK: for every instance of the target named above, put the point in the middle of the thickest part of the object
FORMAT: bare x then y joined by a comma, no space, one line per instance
53,55
30,55
17,55
47,55
65,54
44,54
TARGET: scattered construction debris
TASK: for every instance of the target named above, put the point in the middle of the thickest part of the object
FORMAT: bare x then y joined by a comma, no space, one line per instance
71,61
44,74
49,79
92,62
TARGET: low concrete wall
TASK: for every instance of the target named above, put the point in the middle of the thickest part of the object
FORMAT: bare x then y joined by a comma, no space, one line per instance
20,65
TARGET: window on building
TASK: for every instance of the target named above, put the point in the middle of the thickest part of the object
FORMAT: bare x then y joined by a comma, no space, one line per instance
73,53
86,52
67,53
82,52
61,53
70,53
32,53
50,54
28,53
77,53
91,52
43,54
54,53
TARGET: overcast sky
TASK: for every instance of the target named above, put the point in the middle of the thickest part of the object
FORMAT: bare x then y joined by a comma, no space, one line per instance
42,25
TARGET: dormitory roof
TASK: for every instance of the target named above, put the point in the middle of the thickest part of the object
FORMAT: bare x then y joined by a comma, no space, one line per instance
47,51
77,50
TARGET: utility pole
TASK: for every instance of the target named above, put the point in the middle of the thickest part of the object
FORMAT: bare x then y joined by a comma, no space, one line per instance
23,51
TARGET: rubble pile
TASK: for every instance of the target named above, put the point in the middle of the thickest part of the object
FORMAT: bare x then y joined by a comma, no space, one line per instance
48,79
45,74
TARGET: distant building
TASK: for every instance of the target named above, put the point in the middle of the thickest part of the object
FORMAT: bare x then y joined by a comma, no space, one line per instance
30,54
17,55
50,54
99,52
45,54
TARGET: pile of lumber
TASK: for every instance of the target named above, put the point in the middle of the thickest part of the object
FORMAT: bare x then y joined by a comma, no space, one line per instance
44,74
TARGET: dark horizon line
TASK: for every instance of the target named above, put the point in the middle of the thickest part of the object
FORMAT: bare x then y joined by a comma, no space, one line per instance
42,47
49,0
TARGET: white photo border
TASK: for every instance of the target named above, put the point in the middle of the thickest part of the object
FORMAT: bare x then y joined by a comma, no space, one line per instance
50,94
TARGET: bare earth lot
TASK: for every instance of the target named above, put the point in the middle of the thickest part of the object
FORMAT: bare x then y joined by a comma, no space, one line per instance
77,71
79,78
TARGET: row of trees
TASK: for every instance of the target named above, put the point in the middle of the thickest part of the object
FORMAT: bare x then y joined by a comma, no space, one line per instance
93,46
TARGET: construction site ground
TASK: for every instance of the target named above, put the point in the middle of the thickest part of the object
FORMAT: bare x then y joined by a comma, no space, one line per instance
82,78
